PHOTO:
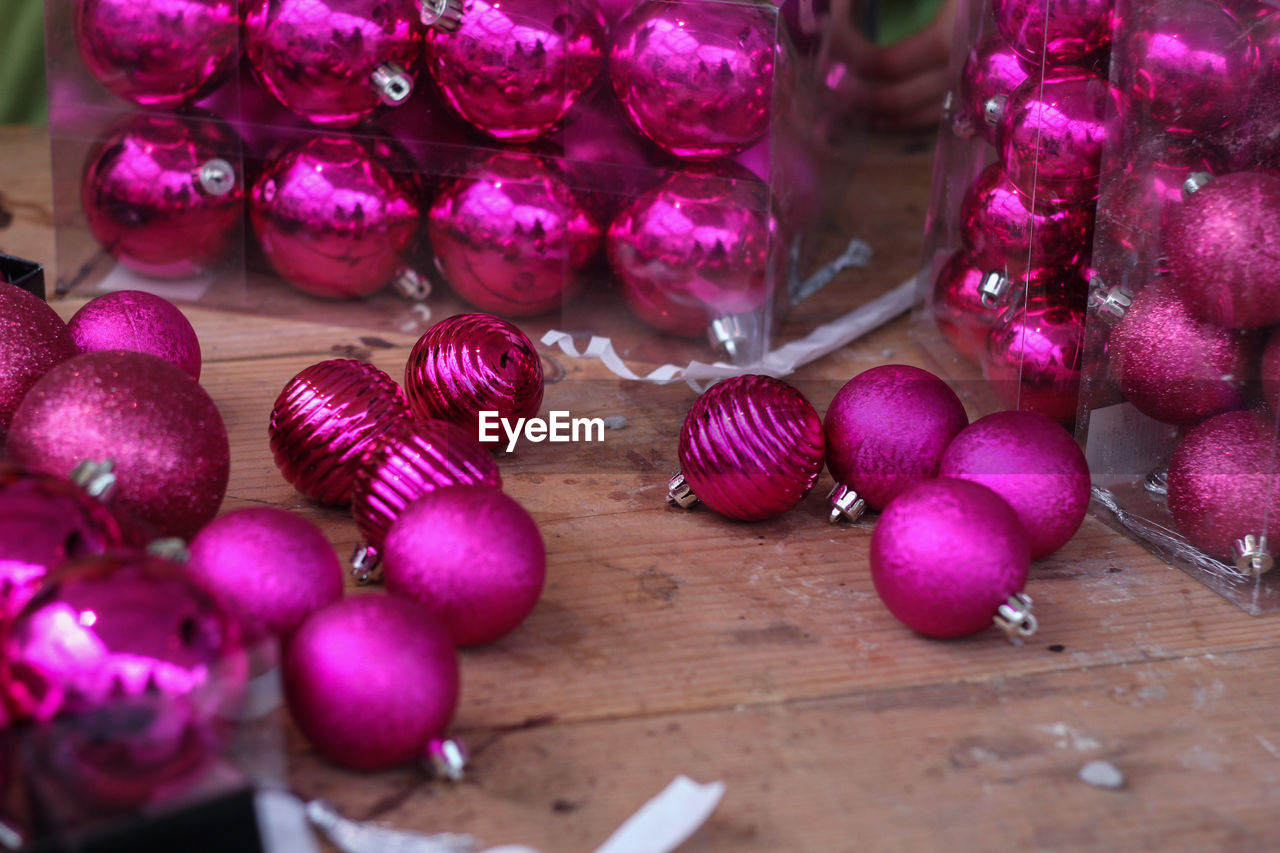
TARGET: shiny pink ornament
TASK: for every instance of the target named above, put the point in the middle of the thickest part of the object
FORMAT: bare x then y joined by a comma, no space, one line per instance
130,672
514,70
324,60
163,194
751,448
957,306
161,53
510,237
607,163
333,218
1033,356
697,79
1174,367
1223,246
323,421
886,430
946,554
1057,32
152,420
270,568
139,322
991,72
471,363
371,680
470,555
1031,462
1053,133
33,339
1224,483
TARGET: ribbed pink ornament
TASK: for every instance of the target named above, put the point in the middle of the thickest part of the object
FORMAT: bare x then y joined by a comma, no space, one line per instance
471,363
751,448
323,421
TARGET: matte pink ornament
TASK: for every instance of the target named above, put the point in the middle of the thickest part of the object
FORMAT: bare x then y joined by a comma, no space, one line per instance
1223,246
471,363
1034,353
750,448
151,419
371,680
886,430
1062,32
1174,367
161,54
946,555
470,555
957,306
162,194
130,673
515,70
1224,483
1031,462
510,237
33,339
991,72
344,236
323,421
139,322
698,79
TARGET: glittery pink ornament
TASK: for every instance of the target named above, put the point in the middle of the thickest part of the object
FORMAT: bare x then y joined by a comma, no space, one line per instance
323,421
155,422
471,363
334,65
371,680
514,70
946,554
1224,483
957,306
163,53
1060,32
751,449
510,237
130,673
162,194
342,237
139,322
886,430
697,79
470,555
33,339
991,72
1174,367
1223,246
1034,355
1053,133
1031,462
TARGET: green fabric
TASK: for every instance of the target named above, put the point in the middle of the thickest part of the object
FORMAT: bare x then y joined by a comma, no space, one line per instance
22,93
902,18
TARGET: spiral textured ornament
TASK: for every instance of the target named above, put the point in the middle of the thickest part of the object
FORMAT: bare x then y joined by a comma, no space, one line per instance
323,421
751,448
473,363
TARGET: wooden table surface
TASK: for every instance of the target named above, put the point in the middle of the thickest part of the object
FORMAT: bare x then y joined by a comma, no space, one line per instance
673,642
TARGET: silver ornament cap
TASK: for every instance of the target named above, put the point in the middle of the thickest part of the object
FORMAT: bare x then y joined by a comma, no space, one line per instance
392,83
845,504
679,493
1253,555
1015,618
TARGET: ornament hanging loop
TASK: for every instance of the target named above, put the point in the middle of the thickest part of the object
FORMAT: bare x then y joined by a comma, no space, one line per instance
679,493
445,15
97,478
1108,304
366,565
412,285
1253,555
392,83
1015,618
845,504
994,288
447,758
217,177
1195,182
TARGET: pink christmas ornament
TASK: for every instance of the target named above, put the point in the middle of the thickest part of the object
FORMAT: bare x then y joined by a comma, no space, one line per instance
510,237
1174,367
1034,354
1063,32
1139,207
334,65
946,555
161,54
1223,246
787,162
957,306
152,420
470,555
514,71
162,194
131,673
1224,484
886,430
371,680
342,237
323,421
697,79
751,449
471,363
991,72
1053,133
139,322
33,339
1031,462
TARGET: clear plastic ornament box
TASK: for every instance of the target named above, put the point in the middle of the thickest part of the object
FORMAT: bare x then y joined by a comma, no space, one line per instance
805,160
